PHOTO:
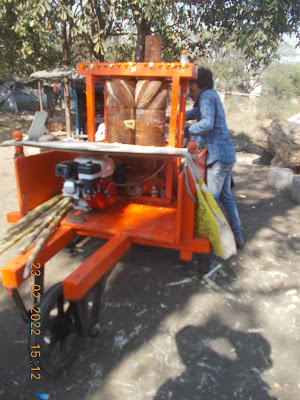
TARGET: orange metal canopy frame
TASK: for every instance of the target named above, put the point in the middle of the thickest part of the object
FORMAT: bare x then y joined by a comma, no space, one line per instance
177,73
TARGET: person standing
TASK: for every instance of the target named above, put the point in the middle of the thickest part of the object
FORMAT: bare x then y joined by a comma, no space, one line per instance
212,129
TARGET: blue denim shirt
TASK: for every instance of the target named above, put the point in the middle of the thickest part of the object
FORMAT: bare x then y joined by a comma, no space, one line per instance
211,126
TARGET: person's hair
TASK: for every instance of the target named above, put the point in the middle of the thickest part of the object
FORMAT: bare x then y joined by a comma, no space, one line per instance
205,78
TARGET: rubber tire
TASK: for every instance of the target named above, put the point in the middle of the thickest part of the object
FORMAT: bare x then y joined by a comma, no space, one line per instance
48,302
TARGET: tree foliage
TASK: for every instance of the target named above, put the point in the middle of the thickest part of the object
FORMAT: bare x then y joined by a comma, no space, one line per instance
26,45
35,34
256,26
282,81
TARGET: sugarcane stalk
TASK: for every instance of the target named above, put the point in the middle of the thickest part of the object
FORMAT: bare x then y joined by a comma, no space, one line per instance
30,242
213,285
45,235
36,212
18,235
46,221
16,238
35,223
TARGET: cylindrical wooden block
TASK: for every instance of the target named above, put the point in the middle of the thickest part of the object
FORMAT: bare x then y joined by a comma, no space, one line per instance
120,108
151,94
117,131
112,113
153,45
150,127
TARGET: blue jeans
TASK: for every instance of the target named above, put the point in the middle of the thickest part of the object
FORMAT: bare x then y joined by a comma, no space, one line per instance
219,185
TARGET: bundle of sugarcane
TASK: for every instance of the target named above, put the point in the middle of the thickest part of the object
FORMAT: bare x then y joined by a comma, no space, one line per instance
31,216
42,221
54,212
44,236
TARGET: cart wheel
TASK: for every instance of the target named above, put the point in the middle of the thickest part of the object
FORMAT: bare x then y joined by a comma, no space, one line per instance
60,335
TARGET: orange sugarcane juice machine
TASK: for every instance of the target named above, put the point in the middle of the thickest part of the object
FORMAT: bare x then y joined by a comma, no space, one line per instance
130,187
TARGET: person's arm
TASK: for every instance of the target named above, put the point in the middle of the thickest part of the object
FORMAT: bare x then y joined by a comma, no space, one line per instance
207,110
192,114
189,115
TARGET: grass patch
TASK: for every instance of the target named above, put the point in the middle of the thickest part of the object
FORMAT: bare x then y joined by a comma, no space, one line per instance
243,115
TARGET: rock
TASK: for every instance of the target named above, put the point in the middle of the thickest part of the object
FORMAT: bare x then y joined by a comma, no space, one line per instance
280,143
260,137
296,189
280,178
284,143
55,126
295,118
265,158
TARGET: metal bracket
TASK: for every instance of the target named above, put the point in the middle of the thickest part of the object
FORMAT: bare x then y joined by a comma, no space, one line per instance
76,216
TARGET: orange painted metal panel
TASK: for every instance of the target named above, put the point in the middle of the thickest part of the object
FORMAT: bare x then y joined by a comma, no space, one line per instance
144,224
147,222
153,200
12,273
84,277
36,180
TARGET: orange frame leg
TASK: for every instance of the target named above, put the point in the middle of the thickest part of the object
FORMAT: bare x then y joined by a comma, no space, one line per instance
12,273
88,274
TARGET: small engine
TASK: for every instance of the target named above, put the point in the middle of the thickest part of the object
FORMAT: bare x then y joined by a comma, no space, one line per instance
88,180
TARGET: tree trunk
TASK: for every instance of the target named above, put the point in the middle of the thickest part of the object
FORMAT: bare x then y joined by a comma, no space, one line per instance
67,106
53,104
143,29
40,95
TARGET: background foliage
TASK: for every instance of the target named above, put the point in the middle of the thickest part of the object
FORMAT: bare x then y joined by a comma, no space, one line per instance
237,39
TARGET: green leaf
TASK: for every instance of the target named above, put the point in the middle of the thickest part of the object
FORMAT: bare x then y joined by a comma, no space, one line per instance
47,5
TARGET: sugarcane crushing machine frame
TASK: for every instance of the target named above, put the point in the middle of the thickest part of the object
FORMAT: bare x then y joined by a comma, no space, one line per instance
69,310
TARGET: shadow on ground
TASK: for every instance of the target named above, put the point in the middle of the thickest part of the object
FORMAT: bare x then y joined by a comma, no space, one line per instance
210,375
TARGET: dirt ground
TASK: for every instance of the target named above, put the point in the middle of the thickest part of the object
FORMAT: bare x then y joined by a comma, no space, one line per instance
177,342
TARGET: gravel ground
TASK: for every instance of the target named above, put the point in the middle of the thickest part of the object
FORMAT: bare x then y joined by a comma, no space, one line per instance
186,341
